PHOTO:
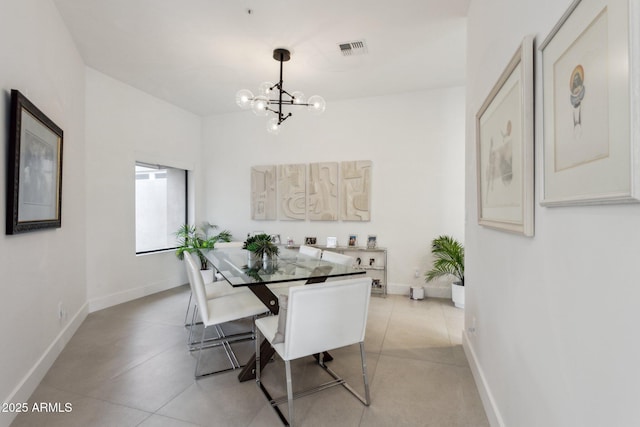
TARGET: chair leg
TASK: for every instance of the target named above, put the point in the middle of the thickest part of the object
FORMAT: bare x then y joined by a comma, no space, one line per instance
367,397
258,341
200,353
227,348
193,321
186,315
287,365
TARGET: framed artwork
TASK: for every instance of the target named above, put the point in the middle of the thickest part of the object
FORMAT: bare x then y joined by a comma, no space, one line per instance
355,190
590,91
292,195
353,240
310,240
323,191
263,192
34,185
332,242
504,152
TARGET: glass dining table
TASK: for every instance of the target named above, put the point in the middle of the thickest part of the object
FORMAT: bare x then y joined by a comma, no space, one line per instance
288,269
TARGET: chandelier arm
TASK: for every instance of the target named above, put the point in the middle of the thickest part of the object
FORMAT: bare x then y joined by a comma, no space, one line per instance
287,93
284,101
282,119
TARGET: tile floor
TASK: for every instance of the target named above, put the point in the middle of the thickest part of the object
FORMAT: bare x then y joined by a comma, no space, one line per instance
128,366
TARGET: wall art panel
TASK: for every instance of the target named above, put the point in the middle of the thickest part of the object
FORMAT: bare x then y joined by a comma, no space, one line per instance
263,192
292,192
355,190
323,191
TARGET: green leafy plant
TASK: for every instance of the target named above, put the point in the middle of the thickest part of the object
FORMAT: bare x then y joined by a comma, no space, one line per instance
195,240
448,256
261,244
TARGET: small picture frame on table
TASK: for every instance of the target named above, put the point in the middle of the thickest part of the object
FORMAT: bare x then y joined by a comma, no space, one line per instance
310,240
353,240
332,242
372,241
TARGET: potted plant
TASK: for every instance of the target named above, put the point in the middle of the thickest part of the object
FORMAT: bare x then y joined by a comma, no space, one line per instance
260,248
448,256
195,240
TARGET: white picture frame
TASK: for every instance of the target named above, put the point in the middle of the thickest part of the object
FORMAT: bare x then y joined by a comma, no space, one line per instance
504,148
591,143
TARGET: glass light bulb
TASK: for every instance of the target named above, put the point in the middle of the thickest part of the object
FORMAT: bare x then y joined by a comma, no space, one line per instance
265,88
273,127
244,98
259,106
298,98
317,104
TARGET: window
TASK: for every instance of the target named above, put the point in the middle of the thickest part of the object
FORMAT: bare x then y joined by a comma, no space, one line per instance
161,206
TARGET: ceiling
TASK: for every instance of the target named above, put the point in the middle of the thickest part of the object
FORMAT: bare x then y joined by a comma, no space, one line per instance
197,54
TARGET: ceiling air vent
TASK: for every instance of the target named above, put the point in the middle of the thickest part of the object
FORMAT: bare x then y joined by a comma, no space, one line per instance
358,47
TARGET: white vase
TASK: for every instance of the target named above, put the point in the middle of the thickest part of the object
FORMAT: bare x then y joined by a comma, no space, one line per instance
457,295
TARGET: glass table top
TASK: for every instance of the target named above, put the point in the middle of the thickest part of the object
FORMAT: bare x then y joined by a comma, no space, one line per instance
236,267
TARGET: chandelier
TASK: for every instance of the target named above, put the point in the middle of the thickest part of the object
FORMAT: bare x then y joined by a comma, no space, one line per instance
272,97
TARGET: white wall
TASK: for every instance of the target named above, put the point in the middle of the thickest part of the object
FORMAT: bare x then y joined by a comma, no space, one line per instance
555,315
416,143
42,268
125,125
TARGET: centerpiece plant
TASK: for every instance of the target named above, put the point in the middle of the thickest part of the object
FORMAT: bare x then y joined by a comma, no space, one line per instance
261,246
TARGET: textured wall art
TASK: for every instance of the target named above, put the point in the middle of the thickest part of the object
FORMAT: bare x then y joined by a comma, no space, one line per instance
355,190
263,192
292,194
323,191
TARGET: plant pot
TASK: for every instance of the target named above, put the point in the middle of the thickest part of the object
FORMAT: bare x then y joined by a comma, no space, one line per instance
253,260
268,264
457,295
207,275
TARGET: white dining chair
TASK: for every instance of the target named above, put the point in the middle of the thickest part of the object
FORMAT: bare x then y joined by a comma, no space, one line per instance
216,311
337,258
310,251
313,319
213,290
221,245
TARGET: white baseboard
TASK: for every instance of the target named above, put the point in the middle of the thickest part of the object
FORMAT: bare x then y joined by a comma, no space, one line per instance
32,379
488,402
429,291
107,301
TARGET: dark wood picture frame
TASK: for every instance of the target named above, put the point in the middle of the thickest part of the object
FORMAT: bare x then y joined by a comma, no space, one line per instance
34,184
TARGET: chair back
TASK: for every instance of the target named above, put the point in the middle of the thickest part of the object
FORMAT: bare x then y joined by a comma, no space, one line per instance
337,258
326,316
197,285
310,251
221,245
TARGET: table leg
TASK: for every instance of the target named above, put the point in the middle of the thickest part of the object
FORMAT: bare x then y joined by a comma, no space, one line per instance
249,370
